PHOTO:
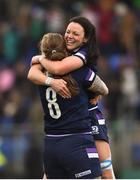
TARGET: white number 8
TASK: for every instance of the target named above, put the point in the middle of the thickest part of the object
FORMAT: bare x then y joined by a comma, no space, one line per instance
52,104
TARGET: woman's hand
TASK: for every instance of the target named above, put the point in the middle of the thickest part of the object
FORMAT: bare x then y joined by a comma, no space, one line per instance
35,59
95,100
60,86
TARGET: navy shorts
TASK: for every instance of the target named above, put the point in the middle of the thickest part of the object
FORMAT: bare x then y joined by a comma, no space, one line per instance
71,157
99,127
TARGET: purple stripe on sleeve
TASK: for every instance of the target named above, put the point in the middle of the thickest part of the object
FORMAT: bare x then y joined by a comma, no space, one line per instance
91,150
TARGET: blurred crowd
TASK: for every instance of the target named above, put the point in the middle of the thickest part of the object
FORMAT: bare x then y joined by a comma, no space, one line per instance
22,25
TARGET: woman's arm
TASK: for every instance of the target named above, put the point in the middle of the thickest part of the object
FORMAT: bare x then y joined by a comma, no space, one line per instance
36,76
62,67
99,87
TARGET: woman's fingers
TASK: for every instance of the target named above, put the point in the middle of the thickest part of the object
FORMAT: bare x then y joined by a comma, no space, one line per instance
64,91
60,86
35,59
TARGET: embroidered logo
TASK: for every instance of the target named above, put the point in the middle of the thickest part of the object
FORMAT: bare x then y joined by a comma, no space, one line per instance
95,130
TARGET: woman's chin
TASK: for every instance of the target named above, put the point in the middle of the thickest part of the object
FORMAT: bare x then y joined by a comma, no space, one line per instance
70,48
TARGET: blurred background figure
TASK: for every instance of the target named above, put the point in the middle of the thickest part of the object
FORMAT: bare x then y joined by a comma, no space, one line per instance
23,23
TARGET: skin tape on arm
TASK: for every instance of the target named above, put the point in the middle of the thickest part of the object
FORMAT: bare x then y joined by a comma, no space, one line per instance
99,86
106,164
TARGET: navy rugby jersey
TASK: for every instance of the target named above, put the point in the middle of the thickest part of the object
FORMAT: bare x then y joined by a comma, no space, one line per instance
82,54
66,116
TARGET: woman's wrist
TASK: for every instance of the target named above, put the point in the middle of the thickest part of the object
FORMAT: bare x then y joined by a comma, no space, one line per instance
48,81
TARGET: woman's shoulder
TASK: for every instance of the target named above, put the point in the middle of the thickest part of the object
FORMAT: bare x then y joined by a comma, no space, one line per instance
81,49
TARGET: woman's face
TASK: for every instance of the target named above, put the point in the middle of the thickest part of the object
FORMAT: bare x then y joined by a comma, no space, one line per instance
74,36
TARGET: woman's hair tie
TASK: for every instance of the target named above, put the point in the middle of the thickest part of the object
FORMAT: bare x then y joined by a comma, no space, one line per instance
53,51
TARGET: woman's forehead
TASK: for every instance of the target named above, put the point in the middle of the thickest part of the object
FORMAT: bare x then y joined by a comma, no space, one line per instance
73,26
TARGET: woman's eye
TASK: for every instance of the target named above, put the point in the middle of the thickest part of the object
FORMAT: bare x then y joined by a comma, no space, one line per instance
76,34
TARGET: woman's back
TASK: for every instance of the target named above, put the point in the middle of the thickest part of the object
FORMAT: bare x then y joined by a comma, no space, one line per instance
64,116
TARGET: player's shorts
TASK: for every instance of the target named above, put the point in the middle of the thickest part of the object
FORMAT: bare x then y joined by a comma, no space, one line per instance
99,127
71,157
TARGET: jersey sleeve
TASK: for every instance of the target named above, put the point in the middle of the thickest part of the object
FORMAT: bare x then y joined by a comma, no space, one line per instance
89,78
82,54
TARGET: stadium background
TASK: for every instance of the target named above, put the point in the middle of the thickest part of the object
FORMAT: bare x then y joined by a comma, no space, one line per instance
22,24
